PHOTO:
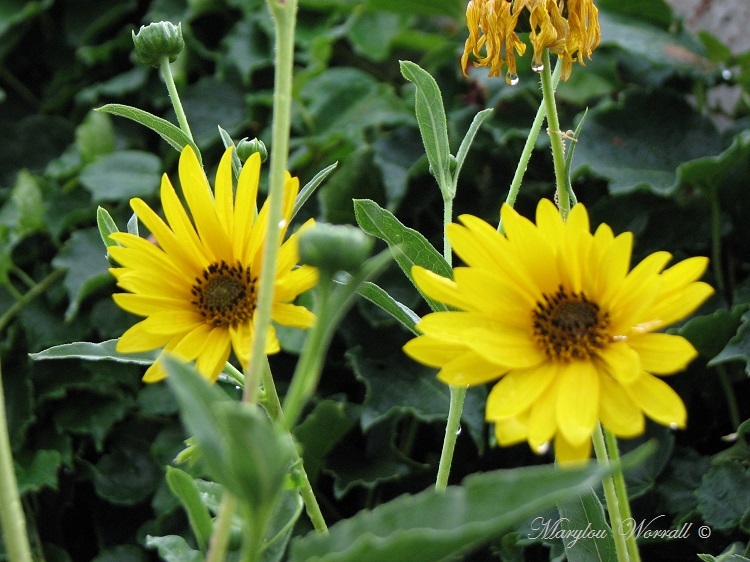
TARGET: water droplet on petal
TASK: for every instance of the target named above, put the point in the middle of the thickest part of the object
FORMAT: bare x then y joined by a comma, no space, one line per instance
537,66
541,449
282,223
511,79
726,74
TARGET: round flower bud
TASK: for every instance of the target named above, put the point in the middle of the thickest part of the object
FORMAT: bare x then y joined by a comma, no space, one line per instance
246,148
155,41
332,247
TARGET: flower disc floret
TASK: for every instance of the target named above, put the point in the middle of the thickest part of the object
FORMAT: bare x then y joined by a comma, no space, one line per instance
555,315
197,286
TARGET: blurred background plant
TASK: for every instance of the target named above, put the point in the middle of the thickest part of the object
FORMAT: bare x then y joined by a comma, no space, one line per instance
656,157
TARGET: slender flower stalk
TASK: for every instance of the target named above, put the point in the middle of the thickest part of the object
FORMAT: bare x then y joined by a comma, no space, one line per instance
623,502
12,519
555,138
174,96
612,498
285,17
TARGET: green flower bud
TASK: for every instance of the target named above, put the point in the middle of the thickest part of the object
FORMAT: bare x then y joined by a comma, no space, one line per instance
155,41
246,148
334,247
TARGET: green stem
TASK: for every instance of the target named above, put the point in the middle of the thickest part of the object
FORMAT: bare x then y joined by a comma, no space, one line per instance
447,219
610,495
166,72
284,16
217,548
310,363
30,295
716,240
275,412
12,520
452,428
622,495
555,138
528,147
726,386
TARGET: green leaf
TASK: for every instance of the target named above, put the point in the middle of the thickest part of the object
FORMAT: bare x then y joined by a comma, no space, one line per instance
400,312
24,210
87,269
319,432
183,486
357,177
468,139
173,548
432,525
311,186
106,225
394,385
227,141
127,475
409,247
40,472
451,8
176,138
104,351
641,141
585,512
710,334
432,124
371,33
724,496
122,175
95,136
738,348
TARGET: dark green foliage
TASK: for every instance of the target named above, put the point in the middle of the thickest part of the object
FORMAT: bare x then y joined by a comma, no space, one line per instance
91,441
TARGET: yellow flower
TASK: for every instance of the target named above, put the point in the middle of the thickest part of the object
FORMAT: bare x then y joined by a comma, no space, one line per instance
554,313
568,28
197,287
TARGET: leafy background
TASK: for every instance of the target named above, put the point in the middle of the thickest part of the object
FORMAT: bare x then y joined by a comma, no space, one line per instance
91,441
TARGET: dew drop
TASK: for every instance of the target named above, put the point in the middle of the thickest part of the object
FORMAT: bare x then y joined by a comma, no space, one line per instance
282,223
511,79
673,426
537,66
726,74
543,448
458,431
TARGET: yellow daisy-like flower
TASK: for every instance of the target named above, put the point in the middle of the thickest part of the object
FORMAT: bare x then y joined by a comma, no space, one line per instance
554,313
568,28
197,288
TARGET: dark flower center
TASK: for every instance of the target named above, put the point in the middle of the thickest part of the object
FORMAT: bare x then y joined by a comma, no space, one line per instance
568,326
225,294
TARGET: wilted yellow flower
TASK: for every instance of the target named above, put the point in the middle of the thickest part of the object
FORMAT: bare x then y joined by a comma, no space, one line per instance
553,312
568,28
198,287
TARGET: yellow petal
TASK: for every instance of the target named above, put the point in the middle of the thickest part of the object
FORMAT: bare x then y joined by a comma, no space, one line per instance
242,340
568,454
172,321
136,340
214,354
663,354
245,204
508,347
469,369
517,390
658,401
618,412
439,288
577,401
510,431
432,351
292,315
543,420
143,305
621,362
224,193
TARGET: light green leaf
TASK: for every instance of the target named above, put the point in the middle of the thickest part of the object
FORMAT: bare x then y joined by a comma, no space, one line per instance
581,512
432,525
409,247
432,123
104,351
106,225
227,142
463,150
122,175
184,487
400,312
175,136
86,266
451,8
173,548
311,186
